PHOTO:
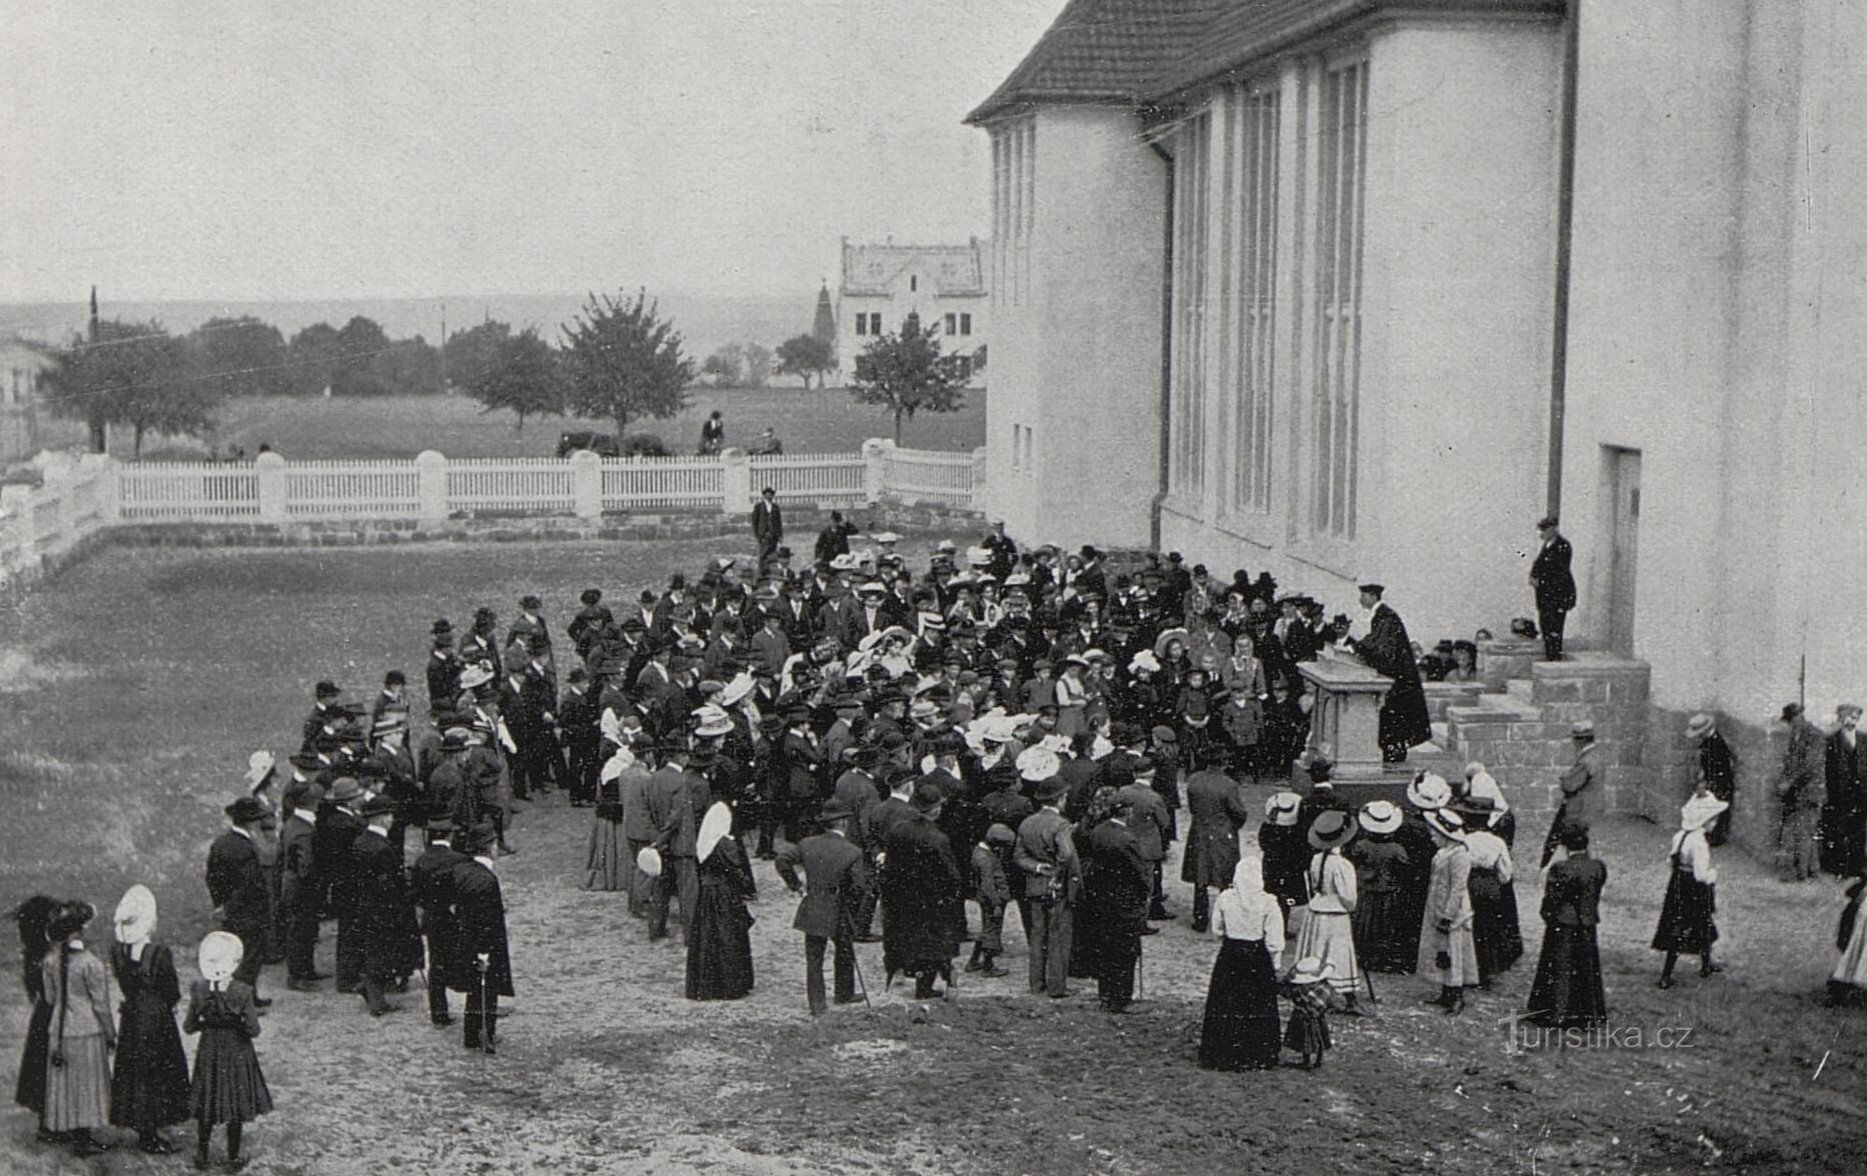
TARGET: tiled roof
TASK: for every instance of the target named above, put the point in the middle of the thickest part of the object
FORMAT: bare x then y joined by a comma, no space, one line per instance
1102,51
949,270
1144,50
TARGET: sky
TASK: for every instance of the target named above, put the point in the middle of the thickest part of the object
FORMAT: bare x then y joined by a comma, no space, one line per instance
186,149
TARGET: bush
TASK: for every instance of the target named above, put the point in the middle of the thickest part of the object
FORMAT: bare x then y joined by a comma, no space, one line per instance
643,445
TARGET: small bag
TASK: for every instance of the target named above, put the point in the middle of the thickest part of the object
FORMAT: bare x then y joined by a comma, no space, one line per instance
1443,961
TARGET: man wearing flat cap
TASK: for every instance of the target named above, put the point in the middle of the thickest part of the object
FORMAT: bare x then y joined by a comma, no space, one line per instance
834,888
236,885
1553,585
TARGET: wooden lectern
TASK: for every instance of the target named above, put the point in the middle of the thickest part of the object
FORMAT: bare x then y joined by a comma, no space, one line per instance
1346,719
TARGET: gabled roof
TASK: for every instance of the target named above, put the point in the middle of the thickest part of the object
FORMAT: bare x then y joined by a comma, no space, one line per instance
949,270
1141,51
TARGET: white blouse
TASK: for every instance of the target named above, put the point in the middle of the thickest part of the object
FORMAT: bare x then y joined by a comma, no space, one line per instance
1331,884
1695,852
1489,853
1237,915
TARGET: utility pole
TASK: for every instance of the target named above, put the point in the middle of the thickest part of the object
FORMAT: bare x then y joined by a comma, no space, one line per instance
444,347
100,430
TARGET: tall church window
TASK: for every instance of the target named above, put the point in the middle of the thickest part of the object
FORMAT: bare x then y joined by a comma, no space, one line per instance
1256,143
1186,472
1342,145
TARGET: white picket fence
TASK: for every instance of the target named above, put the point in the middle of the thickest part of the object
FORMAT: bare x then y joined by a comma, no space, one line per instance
78,496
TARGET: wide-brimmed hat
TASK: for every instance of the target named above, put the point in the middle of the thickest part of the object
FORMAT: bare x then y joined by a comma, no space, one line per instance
1429,792
1380,816
376,806
714,827
475,675
257,765
1332,827
1160,642
1281,807
1037,764
835,809
712,722
136,915
220,953
1699,725
1700,810
1447,823
1310,969
734,691
245,810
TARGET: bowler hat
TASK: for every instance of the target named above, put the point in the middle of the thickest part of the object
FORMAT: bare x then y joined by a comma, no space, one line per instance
344,790
835,809
376,806
442,628
927,795
245,810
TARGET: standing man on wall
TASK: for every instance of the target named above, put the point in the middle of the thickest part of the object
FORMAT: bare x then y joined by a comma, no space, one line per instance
1554,585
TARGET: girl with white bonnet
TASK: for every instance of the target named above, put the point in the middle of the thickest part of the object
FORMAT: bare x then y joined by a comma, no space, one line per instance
149,1087
229,1088
1686,926
1241,1030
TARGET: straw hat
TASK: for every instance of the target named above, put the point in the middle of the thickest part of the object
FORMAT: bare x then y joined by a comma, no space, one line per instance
1281,807
1448,823
714,827
1037,764
1310,969
1700,811
649,861
1699,725
1332,828
257,766
136,915
1429,792
220,953
736,690
1380,816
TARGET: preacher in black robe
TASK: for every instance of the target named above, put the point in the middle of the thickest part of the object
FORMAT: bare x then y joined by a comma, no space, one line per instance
1388,650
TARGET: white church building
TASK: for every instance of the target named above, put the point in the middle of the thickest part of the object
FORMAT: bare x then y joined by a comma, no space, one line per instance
1337,287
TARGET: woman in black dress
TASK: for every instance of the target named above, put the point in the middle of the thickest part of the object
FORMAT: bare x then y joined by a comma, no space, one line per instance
1686,925
1383,871
32,917
149,1084
719,944
1241,1030
228,1086
1567,992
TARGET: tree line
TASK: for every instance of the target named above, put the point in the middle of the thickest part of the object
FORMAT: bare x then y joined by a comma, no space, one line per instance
619,361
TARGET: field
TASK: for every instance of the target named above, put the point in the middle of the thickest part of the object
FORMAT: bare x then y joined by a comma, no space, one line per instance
132,689
817,421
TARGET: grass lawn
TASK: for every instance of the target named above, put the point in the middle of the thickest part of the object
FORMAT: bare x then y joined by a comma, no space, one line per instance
817,421
132,689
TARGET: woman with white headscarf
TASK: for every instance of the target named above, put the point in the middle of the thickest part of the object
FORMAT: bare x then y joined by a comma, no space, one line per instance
719,942
229,1088
1241,1029
149,1086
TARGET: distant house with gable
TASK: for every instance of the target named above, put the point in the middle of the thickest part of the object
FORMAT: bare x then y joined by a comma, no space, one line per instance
882,284
21,363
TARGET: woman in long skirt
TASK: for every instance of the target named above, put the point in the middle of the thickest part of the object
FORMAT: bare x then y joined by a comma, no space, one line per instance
32,916
1446,947
1383,871
1427,794
77,1075
149,1087
1496,933
1567,992
228,1088
1848,982
610,865
1328,931
719,944
1686,926
1241,1030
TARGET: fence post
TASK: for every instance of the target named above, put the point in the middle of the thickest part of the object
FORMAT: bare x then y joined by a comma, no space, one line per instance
269,469
875,468
107,489
979,467
430,487
586,475
735,481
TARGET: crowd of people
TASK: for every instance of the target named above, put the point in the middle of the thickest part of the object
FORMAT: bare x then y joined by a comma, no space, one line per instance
1007,728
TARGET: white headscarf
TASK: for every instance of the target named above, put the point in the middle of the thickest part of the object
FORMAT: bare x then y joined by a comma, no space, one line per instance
136,919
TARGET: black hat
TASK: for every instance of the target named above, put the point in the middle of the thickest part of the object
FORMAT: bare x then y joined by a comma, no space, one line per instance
69,919
478,839
591,595
1332,827
1792,711
442,627
530,601
927,795
327,689
376,806
245,810
835,809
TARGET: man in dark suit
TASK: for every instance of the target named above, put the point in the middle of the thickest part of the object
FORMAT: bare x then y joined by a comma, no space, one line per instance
1117,882
1387,649
485,971
835,883
1554,585
921,904
301,894
385,911
236,884
431,879
444,666
338,828
1844,811
323,713
767,524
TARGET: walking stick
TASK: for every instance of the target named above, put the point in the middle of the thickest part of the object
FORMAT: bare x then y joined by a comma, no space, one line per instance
861,984
479,965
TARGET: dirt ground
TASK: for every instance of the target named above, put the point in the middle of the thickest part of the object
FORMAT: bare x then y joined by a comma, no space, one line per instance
139,681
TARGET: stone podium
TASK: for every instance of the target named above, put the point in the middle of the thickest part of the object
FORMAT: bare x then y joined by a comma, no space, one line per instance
1346,718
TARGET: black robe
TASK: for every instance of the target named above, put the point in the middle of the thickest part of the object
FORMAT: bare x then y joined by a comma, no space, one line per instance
1388,650
921,904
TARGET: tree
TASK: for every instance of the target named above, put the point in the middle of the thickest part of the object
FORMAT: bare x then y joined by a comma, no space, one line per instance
135,374
525,374
624,361
242,357
907,373
472,351
356,372
723,366
757,364
313,354
806,356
